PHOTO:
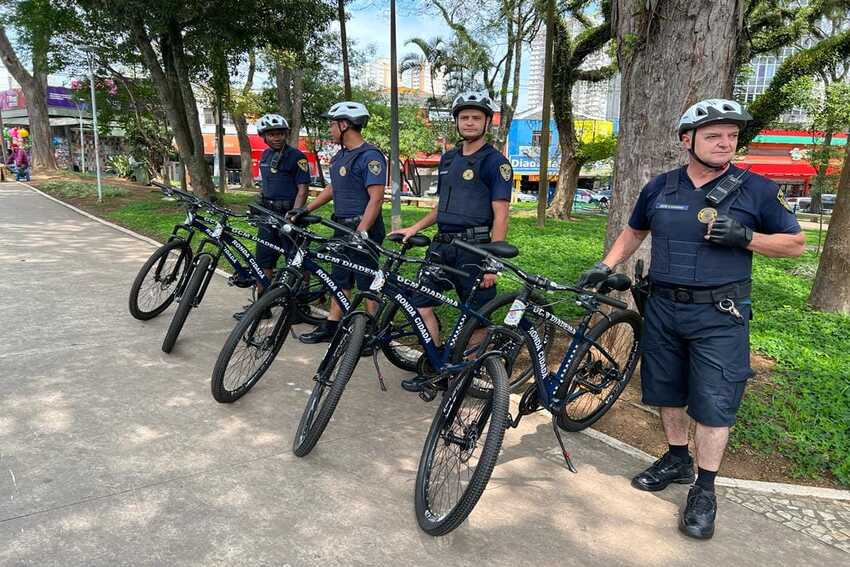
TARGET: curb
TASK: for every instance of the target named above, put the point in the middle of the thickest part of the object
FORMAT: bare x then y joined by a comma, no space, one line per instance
778,488
753,485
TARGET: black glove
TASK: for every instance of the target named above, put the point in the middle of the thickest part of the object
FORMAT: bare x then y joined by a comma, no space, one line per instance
294,214
729,232
594,275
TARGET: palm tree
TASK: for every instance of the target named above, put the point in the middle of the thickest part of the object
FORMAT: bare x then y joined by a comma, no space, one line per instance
433,56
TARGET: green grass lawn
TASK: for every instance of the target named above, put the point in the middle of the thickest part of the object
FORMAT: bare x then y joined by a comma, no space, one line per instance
803,412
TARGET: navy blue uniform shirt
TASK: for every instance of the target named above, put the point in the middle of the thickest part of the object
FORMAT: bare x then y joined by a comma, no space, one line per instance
290,170
352,172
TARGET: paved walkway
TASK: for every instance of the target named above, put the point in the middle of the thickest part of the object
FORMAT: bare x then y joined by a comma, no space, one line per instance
113,453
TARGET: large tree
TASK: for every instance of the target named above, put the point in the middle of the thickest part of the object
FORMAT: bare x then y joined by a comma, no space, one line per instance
178,40
831,290
569,65
241,105
39,26
671,54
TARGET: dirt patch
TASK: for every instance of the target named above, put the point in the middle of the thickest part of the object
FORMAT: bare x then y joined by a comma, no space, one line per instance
639,426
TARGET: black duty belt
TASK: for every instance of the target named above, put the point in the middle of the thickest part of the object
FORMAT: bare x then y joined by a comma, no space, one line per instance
276,205
351,222
713,295
476,234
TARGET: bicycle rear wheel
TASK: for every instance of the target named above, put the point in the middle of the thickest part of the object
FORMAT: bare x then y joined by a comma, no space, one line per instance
252,346
187,301
331,377
313,302
158,280
461,449
595,381
403,349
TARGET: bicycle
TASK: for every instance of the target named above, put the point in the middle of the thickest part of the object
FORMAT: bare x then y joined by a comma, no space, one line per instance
163,275
587,368
256,340
455,376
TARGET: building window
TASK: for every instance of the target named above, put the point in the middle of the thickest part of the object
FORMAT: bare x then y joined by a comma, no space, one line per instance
535,138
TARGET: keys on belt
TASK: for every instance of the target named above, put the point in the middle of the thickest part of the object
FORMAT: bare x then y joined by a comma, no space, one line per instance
728,306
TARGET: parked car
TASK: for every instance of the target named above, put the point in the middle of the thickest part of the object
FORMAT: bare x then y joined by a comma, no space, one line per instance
799,204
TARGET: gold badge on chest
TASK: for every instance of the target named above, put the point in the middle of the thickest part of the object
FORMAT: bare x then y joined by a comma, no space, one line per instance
343,171
707,215
468,174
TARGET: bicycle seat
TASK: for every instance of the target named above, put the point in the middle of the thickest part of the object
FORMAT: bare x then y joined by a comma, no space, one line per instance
500,249
417,240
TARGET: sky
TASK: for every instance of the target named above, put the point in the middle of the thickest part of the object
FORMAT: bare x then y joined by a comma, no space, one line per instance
369,25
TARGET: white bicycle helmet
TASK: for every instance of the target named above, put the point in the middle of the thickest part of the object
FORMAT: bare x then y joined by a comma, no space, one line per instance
271,122
354,112
473,99
713,111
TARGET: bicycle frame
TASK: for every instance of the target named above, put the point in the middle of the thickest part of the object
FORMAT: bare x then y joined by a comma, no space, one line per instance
549,383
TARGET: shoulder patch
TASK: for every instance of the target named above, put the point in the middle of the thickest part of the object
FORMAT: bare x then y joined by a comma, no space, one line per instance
302,163
375,167
507,171
780,196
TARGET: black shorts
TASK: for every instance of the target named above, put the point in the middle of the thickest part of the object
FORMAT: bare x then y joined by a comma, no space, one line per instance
267,257
454,257
347,278
694,355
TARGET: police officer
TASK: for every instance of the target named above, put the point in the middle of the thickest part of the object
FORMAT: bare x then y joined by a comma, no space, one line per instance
358,180
474,189
706,220
285,177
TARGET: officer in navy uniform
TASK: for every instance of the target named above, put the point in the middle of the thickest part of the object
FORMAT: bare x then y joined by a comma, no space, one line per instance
474,189
358,180
285,176
706,220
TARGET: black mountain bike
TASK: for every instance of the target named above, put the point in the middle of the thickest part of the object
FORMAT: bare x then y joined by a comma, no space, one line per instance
596,366
257,339
163,275
475,402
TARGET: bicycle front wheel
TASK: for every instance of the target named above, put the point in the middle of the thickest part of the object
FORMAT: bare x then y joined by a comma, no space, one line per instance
158,280
252,346
332,376
187,301
461,449
600,372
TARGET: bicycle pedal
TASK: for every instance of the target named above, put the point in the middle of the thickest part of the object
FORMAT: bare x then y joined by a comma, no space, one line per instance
428,394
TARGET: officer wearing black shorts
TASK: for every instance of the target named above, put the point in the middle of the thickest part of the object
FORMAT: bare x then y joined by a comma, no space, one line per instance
706,220
358,180
474,189
285,176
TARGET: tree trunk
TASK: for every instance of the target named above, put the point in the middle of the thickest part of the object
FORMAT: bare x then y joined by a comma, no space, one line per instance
565,192
39,127
246,177
343,42
831,288
283,81
688,46
35,92
297,104
176,100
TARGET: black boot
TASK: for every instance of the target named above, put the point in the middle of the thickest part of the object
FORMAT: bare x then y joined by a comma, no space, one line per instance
267,314
697,517
321,334
664,471
415,384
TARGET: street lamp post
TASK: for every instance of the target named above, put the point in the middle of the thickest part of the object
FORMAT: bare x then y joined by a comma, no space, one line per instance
94,128
395,173
543,187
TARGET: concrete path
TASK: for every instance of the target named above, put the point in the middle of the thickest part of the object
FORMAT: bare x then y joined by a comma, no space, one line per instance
113,453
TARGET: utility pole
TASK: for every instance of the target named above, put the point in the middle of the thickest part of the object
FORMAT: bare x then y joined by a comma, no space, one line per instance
94,128
543,187
395,174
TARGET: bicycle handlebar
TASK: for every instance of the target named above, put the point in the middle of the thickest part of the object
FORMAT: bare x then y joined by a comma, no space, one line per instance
537,280
197,201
